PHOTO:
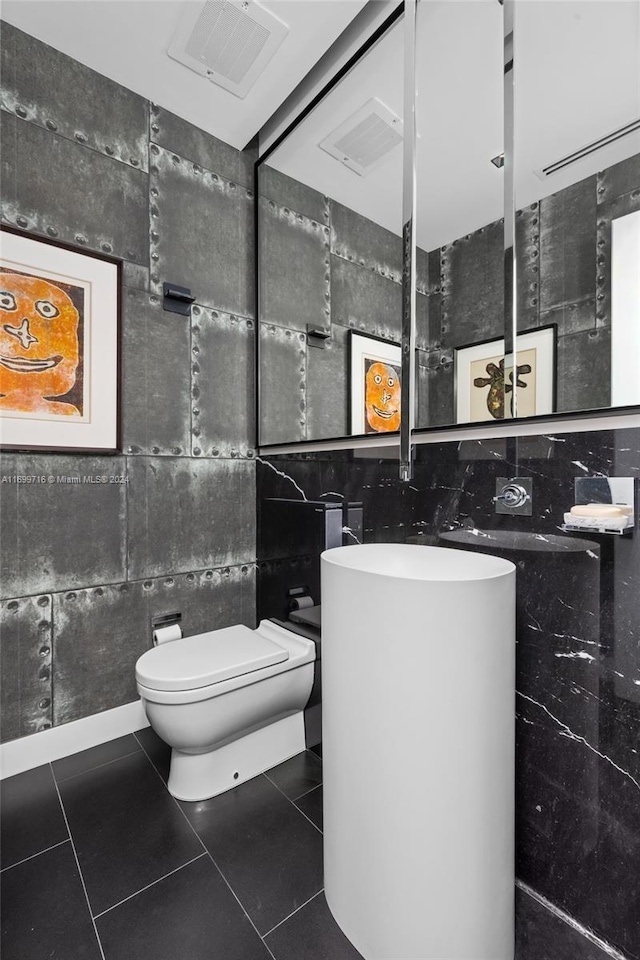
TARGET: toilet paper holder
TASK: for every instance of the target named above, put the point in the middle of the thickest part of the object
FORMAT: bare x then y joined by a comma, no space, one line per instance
299,598
165,620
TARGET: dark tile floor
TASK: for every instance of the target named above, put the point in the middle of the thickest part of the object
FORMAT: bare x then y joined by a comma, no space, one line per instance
99,862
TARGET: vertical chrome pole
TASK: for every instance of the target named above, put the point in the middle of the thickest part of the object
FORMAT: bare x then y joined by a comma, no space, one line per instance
408,244
510,313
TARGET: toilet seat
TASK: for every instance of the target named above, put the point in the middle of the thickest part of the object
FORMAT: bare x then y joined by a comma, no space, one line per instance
206,659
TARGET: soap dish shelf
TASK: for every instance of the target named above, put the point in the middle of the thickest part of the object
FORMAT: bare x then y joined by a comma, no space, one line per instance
587,531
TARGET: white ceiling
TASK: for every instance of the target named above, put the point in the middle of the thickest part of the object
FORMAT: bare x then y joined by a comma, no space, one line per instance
577,79
127,41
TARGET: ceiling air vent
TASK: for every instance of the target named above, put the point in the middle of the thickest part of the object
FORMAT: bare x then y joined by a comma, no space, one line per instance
228,42
363,141
588,149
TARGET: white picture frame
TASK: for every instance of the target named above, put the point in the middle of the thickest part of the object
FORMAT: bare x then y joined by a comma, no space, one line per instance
479,377
364,351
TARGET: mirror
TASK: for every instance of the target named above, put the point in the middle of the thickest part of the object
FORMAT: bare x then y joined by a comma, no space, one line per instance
577,191
460,204
330,225
330,260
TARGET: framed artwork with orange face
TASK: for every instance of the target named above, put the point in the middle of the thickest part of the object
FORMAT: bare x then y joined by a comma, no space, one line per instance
375,366
59,346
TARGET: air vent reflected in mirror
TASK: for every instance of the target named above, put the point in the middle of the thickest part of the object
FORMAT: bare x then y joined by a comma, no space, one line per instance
366,138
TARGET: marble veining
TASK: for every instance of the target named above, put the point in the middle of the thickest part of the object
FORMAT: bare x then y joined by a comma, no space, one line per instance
566,732
281,473
578,649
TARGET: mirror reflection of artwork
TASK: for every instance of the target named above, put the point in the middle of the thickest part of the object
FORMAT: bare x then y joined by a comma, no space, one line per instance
381,396
495,389
375,368
484,383
41,327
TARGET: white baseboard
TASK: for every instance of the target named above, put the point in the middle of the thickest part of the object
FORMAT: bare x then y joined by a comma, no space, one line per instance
16,756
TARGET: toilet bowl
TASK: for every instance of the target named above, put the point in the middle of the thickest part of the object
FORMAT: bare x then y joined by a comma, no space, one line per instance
229,703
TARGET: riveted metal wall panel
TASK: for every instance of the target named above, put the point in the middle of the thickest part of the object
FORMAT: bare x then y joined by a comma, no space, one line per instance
428,271
327,387
222,384
435,390
429,332
178,136
283,385
295,196
441,392
422,391
609,210
135,276
364,242
8,124
50,89
25,658
74,194
365,300
295,278
422,271
568,245
201,233
472,287
571,317
621,178
584,371
528,267
422,322
211,599
184,513
87,190
155,377
63,532
100,633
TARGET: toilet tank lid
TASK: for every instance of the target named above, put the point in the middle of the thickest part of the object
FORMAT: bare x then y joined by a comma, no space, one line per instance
207,658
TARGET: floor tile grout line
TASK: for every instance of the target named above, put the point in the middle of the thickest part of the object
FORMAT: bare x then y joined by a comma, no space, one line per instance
240,903
183,814
34,855
298,796
306,793
75,854
293,912
301,812
149,885
210,855
207,851
321,832
97,767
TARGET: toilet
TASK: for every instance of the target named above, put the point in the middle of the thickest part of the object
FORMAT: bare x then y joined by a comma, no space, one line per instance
229,703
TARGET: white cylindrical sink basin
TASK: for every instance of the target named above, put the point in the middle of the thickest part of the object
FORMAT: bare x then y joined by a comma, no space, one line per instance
418,677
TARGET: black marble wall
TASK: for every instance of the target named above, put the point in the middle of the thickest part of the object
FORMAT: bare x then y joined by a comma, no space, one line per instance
578,643
84,568
322,263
